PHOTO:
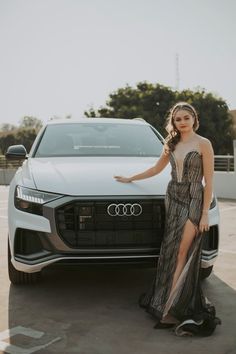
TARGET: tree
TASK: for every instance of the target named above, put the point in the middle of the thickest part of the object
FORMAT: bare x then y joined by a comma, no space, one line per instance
147,100
22,136
25,134
152,102
67,116
7,139
216,122
6,127
30,122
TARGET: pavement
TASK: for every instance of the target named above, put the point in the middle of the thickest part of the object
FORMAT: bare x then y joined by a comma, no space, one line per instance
93,310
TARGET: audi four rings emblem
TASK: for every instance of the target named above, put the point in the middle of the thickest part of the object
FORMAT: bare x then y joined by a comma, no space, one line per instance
124,209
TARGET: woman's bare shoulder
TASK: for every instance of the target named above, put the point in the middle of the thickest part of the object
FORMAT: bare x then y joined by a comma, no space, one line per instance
204,143
202,140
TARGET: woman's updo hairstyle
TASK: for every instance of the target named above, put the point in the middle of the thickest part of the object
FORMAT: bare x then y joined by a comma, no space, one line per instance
173,134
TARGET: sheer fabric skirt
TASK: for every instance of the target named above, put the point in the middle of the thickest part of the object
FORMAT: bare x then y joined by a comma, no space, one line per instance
186,300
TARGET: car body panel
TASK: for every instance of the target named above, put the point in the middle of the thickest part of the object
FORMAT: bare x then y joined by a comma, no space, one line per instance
92,175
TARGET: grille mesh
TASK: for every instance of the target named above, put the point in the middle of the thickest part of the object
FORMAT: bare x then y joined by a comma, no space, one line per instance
87,224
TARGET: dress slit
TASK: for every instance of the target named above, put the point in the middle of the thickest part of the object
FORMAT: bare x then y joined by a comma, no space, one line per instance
183,202
180,281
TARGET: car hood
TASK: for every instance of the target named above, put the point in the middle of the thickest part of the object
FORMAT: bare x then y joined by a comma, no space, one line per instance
86,176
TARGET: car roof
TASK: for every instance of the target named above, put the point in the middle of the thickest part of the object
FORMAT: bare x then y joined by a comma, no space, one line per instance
136,121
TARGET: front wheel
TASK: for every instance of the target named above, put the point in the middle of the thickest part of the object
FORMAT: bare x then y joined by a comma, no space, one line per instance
205,272
20,278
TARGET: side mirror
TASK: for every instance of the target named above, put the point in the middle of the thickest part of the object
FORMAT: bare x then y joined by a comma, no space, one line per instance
16,152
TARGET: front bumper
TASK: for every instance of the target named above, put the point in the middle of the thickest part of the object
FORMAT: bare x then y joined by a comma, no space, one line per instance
39,241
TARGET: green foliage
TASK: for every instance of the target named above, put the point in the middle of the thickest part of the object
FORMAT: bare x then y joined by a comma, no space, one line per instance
30,122
6,127
215,120
147,100
153,101
24,134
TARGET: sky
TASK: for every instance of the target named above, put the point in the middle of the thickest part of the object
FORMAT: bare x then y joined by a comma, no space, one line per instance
61,57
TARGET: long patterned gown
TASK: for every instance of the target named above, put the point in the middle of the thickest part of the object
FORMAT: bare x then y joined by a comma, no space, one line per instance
184,201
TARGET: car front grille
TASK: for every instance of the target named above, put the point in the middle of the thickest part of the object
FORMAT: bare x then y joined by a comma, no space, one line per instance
87,224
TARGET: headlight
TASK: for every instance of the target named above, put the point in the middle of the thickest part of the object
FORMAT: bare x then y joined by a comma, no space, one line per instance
31,200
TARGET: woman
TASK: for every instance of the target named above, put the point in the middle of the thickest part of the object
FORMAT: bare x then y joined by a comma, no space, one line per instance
175,297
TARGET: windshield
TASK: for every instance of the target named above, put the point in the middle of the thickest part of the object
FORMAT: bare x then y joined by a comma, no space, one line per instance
98,139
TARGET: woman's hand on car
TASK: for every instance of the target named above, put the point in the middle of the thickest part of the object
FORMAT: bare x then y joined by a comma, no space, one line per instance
122,179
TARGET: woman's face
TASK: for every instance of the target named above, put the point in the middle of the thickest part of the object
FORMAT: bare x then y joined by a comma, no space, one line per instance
183,121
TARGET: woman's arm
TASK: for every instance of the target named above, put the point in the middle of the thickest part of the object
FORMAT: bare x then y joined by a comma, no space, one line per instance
208,172
157,168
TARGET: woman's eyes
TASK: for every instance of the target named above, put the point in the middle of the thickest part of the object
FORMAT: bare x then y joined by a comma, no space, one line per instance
179,119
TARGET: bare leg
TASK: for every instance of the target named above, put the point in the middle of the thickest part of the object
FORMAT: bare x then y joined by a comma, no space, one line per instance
188,235
186,241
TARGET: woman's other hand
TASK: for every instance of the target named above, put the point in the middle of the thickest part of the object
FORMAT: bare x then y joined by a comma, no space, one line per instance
204,223
122,179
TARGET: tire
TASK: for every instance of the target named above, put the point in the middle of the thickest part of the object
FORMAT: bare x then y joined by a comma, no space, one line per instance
205,272
20,278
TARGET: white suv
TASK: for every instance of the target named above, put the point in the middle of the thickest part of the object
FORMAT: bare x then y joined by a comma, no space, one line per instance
65,206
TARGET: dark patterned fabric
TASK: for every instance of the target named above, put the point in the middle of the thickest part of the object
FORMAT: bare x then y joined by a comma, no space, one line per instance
183,202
